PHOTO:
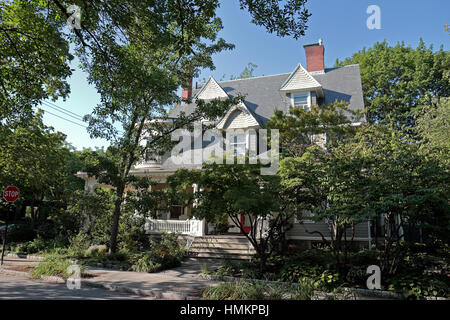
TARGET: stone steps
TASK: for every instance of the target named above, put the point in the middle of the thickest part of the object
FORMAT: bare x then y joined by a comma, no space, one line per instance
222,247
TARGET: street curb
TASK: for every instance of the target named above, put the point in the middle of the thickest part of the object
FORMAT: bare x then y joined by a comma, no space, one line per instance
24,256
28,275
169,295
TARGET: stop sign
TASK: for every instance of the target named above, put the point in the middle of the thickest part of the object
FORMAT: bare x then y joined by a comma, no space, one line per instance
11,194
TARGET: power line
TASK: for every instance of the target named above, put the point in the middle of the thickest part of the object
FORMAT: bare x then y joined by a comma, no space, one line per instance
63,110
64,118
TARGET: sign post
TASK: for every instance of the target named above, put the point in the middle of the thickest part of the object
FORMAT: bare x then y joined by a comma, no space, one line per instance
10,194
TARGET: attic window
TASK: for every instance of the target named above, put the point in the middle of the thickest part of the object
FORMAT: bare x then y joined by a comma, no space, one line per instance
302,100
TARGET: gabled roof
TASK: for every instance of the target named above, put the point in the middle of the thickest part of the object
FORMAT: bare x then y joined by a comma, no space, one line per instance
300,79
211,90
241,114
262,94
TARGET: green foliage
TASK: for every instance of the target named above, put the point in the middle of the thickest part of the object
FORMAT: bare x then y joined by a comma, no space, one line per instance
419,286
232,191
398,80
234,291
32,158
79,244
432,127
35,58
287,20
322,277
53,266
298,127
165,254
30,247
243,290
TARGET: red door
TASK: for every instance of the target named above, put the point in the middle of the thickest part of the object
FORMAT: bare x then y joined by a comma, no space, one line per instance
246,224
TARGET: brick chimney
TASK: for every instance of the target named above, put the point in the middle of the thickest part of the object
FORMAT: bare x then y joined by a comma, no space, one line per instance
186,91
315,56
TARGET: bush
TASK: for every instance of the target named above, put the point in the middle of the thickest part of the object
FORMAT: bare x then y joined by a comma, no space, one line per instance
240,290
168,253
323,278
79,245
243,290
53,266
132,236
30,247
417,287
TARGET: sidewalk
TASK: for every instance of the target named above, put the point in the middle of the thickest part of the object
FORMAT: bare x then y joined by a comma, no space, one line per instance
178,283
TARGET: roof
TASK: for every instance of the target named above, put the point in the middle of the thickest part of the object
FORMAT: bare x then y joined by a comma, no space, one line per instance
262,94
300,79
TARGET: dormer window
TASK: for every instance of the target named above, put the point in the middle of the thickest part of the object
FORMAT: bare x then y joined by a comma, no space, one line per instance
302,100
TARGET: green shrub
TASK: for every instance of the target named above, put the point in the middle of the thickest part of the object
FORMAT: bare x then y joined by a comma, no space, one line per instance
418,286
79,245
243,290
240,290
168,253
323,278
228,268
32,247
148,262
53,266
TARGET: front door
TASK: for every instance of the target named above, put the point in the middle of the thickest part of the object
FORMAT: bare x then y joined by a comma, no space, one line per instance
246,223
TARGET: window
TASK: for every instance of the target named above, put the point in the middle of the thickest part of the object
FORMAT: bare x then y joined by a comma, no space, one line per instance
302,100
238,144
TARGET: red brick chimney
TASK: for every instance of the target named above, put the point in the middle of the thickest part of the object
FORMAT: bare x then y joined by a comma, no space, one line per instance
315,56
186,91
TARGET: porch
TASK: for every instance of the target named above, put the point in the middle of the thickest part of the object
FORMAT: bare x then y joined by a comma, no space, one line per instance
188,227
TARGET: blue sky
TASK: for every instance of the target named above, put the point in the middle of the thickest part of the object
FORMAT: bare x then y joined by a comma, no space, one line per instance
340,24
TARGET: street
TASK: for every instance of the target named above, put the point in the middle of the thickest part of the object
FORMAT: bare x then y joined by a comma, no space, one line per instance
15,287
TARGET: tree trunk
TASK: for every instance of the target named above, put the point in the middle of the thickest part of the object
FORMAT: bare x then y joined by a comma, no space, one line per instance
116,218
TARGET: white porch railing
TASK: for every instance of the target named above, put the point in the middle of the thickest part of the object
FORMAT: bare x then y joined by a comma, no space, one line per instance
191,227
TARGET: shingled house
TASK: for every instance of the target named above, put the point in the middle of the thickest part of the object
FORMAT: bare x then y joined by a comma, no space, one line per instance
302,87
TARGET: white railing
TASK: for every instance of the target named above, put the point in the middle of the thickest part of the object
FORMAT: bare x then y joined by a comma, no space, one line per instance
186,227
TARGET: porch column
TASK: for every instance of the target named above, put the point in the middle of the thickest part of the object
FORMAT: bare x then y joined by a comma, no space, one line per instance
197,227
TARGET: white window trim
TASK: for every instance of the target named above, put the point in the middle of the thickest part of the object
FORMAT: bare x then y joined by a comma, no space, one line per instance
304,92
245,143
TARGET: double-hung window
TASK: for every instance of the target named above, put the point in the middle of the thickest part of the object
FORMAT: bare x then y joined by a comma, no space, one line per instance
238,144
302,100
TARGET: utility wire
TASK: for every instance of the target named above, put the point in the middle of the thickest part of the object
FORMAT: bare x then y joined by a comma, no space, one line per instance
64,118
62,110
66,110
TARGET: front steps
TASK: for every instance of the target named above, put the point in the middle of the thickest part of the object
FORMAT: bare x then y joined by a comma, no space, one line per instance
233,247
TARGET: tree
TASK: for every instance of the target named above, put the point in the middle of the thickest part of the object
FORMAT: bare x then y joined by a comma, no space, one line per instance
236,191
289,20
432,128
397,81
377,173
33,158
136,55
34,58
299,128
247,72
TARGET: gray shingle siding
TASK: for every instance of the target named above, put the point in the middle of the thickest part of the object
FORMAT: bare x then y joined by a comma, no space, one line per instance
262,94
